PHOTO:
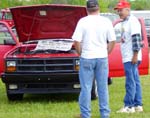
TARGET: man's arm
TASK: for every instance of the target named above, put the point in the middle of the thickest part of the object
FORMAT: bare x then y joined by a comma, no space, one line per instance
110,46
136,46
77,47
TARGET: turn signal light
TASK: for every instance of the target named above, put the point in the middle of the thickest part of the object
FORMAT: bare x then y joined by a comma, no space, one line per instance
11,69
77,67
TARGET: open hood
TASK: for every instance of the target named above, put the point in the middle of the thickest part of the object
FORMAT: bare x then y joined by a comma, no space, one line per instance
46,21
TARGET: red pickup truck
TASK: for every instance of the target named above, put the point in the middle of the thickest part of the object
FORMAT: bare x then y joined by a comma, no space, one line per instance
44,60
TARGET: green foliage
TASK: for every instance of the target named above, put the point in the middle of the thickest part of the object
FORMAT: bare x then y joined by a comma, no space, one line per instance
3,4
59,1
111,5
72,2
140,5
105,5
135,5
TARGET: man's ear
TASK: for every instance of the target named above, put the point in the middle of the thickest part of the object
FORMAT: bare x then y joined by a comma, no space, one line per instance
128,9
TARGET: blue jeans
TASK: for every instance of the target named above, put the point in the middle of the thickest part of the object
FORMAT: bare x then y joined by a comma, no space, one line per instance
90,69
133,95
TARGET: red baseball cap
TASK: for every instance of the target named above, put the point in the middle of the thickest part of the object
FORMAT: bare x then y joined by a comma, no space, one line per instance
122,4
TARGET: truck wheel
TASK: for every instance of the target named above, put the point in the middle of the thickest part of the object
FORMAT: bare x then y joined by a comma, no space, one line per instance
94,93
110,81
14,97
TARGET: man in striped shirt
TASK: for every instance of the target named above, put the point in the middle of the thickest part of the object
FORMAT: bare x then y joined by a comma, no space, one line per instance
131,57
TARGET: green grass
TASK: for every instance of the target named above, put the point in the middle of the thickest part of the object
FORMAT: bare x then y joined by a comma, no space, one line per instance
66,105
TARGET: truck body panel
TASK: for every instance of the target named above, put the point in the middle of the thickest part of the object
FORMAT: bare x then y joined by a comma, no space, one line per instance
7,42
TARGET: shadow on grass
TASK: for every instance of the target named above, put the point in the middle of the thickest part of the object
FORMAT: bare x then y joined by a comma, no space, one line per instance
61,97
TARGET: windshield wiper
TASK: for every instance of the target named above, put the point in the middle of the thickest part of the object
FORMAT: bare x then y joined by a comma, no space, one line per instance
31,42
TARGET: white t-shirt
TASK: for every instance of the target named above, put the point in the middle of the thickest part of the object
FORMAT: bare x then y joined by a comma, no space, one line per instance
130,27
93,31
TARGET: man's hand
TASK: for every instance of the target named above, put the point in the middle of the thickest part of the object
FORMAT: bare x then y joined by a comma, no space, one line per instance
135,58
77,47
110,46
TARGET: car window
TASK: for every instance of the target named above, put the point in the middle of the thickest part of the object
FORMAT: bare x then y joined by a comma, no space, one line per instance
4,34
0,16
147,22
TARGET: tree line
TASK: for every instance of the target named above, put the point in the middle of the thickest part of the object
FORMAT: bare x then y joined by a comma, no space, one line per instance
105,5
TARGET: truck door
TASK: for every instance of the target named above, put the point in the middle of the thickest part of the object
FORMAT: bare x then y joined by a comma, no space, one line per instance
116,68
7,42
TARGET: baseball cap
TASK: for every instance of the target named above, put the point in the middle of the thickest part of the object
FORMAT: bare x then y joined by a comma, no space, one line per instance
122,4
92,4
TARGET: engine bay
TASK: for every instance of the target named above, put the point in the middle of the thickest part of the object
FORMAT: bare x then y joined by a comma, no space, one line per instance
51,46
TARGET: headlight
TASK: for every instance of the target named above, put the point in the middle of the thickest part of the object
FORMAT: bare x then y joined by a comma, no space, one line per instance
11,66
77,64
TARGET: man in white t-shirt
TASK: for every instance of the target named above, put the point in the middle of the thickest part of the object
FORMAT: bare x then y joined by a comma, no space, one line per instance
131,57
94,39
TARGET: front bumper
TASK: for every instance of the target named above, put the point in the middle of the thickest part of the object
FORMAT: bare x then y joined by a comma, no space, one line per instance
40,77
42,83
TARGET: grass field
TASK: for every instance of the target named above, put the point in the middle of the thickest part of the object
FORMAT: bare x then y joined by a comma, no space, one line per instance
66,106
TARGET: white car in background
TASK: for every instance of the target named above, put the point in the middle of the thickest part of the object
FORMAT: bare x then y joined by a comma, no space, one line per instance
145,14
111,16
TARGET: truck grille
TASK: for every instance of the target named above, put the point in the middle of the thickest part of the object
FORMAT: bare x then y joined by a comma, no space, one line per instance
46,65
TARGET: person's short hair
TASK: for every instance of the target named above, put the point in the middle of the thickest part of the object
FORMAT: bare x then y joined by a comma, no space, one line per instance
92,5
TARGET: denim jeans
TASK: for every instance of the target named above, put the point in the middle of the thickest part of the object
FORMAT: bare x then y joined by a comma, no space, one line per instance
90,69
133,95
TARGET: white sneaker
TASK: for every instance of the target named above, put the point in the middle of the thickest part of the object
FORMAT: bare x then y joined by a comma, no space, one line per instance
126,110
138,109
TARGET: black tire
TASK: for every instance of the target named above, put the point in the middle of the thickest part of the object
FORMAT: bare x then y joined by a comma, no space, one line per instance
14,97
148,37
94,93
110,81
